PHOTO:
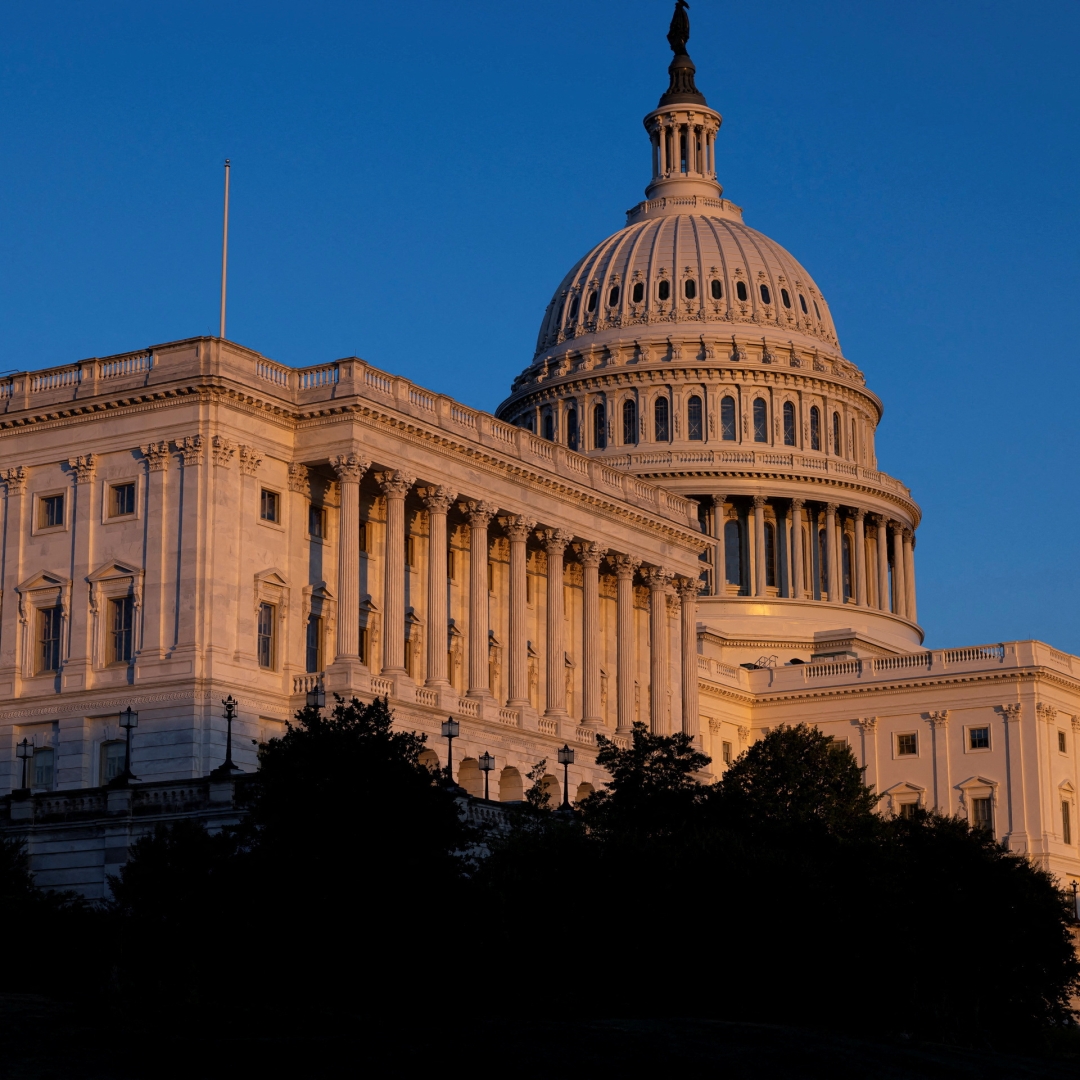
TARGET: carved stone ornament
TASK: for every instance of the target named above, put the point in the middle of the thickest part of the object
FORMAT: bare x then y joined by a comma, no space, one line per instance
157,456
590,553
300,478
190,449
867,723
478,512
1011,711
350,468
744,733
555,540
250,460
395,484
1046,712
1076,724
656,577
625,565
83,468
687,588
437,500
939,719
223,451
15,479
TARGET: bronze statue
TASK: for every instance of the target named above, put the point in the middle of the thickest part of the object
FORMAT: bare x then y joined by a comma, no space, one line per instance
679,32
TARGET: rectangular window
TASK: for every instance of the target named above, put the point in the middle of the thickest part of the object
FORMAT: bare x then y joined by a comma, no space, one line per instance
363,645
451,564
121,622
907,810
982,814
363,536
529,588
42,774
50,511
112,761
316,522
266,636
726,752
1061,741
491,577
49,622
121,500
410,552
979,738
907,745
1066,821
313,643
269,509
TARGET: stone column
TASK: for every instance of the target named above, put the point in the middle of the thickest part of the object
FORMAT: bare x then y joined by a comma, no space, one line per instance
350,470
77,667
555,541
797,572
192,544
625,568
942,782
870,756
899,597
883,563
590,554
157,464
860,557
479,515
437,502
909,573
719,554
688,590
518,529
394,486
759,545
658,579
16,530
832,581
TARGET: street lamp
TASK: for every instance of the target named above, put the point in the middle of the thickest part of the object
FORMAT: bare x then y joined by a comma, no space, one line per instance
487,763
129,721
316,697
566,759
24,751
227,768
450,729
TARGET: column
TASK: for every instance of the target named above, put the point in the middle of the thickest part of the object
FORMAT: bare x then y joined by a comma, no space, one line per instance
899,597
939,722
759,545
836,593
77,667
394,486
479,515
350,470
518,529
797,573
719,554
658,579
860,557
870,756
625,568
909,573
590,554
437,501
156,456
882,563
191,543
688,591
16,528
555,541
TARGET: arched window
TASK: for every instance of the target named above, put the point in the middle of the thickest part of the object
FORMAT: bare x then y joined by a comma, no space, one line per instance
592,301
786,297
613,296
727,419
740,290
693,418
733,553
766,298
664,290
549,427
690,288
770,554
716,289
802,304
836,434
511,788
761,420
599,418
846,559
789,424
660,420
574,308
629,422
639,292
815,428
823,564
572,429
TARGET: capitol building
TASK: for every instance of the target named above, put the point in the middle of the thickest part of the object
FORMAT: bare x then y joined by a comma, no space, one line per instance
676,516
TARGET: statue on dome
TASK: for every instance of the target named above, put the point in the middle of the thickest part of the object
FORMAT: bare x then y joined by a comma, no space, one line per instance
679,32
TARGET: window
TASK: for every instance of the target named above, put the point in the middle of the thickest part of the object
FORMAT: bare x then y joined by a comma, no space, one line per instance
121,500
269,505
845,559
979,738
823,563
690,288
660,420
789,424
815,428
121,624
549,427
313,644
693,418
740,291
716,289
51,512
42,770
802,304
363,536
727,419
49,621
1061,741
761,420
766,298
591,305
1066,822
837,448
571,429
111,763
316,522
613,296
639,292
786,297
726,752
451,565
982,814
854,448
491,577
599,427
410,552
907,745
629,422
907,810
664,290
574,308
266,636
770,553
733,553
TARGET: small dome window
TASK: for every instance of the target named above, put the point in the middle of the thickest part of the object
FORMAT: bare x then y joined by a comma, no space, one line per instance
600,427
693,419
717,289
786,297
573,308
740,290
549,427
613,296
802,304
690,288
665,290
766,297
592,301
639,292
727,419
816,311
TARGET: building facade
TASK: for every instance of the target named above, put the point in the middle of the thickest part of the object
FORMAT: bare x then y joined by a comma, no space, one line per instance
676,517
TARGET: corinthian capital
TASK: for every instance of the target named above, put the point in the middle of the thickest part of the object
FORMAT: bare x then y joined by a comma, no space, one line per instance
555,540
939,719
626,566
350,468
687,588
590,553
437,500
157,456
478,512
15,479
190,449
517,527
395,484
760,501
83,468
867,723
656,577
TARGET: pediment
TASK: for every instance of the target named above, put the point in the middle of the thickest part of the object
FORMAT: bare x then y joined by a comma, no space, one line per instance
43,579
114,569
273,576
976,782
1066,786
905,788
319,592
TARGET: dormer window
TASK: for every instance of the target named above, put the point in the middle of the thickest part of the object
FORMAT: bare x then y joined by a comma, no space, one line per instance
639,292
802,304
786,297
592,301
690,288
740,291
716,289
664,291
573,309
766,297
613,296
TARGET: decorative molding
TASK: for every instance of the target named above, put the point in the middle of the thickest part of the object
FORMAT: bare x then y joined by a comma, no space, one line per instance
394,484
1045,712
350,468
156,455
939,719
437,500
300,479
83,467
626,566
554,540
656,577
190,449
867,723
15,479
1011,711
250,460
223,450
590,553
478,512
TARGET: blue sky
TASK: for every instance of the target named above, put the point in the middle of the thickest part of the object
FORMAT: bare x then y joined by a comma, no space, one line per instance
411,182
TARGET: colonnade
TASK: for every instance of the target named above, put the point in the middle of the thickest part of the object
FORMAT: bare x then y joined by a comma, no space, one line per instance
478,514
797,552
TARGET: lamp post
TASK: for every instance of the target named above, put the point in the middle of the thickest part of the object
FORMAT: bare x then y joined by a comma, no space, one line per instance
129,721
24,752
450,729
487,763
566,759
316,697
227,768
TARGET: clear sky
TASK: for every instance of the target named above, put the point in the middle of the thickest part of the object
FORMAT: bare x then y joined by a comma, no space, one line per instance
412,180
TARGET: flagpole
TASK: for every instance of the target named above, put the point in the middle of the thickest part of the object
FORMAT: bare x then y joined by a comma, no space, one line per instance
224,250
